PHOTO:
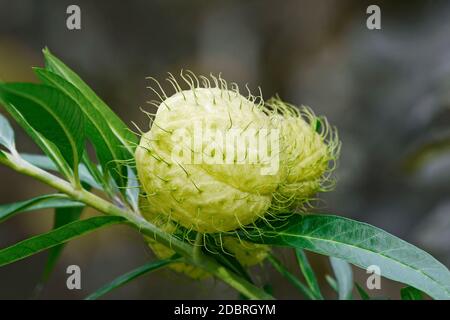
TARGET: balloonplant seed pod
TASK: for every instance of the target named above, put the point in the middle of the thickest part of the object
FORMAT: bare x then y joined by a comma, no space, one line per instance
215,161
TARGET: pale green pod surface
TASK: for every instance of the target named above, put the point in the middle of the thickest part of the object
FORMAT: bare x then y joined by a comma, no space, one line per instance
162,251
202,187
310,149
248,254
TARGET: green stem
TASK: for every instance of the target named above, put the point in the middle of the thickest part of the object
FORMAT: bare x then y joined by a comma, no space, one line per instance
187,251
198,245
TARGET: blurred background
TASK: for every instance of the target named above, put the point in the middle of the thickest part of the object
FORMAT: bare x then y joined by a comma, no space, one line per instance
387,91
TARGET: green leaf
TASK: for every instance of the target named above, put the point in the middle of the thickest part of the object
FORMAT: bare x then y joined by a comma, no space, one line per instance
308,273
55,237
45,163
360,244
362,293
39,161
344,276
6,134
93,170
127,277
304,290
63,216
46,146
411,293
332,282
52,114
56,200
110,151
120,129
133,190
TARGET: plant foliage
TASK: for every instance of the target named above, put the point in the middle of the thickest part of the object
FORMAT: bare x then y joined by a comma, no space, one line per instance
62,115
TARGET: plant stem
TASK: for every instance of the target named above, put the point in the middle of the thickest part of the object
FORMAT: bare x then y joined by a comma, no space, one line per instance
198,245
187,251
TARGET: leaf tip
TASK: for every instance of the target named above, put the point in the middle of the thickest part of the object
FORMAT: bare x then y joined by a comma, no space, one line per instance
46,51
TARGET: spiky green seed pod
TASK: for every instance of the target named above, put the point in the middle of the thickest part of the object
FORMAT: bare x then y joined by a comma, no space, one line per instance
208,188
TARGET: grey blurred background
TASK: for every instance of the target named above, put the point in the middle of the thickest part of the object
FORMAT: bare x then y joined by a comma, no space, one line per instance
386,90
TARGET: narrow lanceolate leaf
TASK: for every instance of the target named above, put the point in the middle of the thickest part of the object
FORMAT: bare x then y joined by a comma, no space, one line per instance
42,202
6,134
92,169
120,129
133,190
110,151
63,216
411,293
308,273
127,277
362,245
48,147
53,238
344,276
45,163
304,290
362,293
50,112
332,283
